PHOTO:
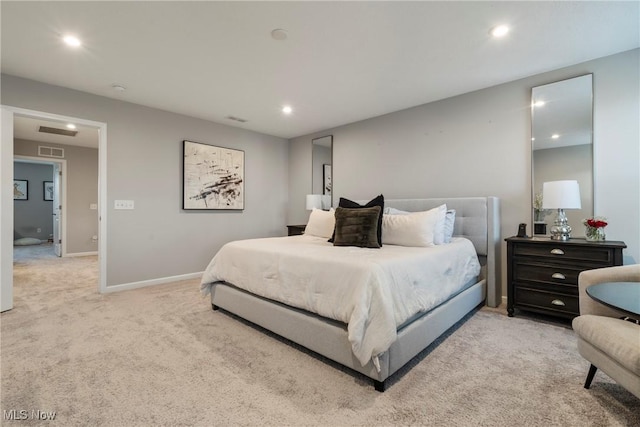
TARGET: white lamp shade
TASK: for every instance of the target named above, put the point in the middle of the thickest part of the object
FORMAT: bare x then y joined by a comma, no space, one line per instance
314,201
561,195
326,202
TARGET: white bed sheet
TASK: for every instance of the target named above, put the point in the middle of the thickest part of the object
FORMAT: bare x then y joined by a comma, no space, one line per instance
373,291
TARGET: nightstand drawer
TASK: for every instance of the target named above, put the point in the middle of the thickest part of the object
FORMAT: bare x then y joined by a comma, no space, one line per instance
547,301
557,274
565,253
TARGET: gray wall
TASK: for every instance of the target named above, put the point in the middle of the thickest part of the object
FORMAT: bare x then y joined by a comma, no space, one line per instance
144,163
35,212
82,191
480,144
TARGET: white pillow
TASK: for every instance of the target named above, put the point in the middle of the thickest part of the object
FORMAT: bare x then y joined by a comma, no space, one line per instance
438,234
393,211
27,241
413,229
321,223
449,222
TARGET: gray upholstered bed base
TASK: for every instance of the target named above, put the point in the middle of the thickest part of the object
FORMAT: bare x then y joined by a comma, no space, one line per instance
477,218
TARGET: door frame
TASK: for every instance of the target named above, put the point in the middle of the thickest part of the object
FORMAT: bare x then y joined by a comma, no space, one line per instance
63,190
6,196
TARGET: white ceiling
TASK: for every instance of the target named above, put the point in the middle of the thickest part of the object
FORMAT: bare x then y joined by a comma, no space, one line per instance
342,62
28,128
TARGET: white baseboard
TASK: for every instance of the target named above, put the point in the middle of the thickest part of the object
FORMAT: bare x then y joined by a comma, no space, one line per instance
80,254
152,282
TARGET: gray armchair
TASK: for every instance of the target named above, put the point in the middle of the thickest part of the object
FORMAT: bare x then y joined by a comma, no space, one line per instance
604,339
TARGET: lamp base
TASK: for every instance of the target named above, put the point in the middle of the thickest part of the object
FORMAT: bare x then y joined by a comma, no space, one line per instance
561,230
560,236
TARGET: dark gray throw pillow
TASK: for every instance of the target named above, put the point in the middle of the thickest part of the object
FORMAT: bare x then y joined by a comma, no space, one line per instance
357,227
376,201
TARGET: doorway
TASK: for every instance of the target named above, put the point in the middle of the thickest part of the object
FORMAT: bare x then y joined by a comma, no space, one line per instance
7,203
40,216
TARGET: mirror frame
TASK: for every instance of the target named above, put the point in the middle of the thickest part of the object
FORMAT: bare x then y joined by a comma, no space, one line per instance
577,229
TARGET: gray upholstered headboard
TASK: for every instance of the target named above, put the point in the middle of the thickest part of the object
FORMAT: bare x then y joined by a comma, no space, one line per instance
477,219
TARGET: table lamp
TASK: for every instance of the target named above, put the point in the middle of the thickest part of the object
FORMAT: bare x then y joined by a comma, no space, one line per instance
314,201
318,201
561,195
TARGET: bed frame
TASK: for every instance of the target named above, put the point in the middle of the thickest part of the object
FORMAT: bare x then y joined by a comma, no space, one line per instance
477,218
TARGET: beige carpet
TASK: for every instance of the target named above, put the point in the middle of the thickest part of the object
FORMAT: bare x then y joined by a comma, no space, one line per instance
161,356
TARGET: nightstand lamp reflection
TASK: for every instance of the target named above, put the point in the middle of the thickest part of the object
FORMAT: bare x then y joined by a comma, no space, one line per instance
318,201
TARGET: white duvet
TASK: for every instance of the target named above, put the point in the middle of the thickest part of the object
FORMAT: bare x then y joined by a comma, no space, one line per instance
373,291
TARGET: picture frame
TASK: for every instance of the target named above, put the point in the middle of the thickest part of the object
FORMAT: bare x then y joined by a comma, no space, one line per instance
326,179
20,189
47,190
213,177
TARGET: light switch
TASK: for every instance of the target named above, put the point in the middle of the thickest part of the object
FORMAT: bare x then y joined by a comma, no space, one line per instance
93,206
123,204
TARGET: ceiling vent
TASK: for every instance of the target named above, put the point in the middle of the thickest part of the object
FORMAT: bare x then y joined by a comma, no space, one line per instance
236,119
50,152
56,131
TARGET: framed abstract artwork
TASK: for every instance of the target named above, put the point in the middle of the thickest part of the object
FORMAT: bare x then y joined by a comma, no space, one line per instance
47,190
213,177
20,189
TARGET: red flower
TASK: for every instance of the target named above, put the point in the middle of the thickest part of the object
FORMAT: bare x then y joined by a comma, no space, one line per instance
597,223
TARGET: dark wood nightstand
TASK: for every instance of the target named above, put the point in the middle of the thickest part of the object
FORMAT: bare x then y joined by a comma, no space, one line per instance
296,230
542,274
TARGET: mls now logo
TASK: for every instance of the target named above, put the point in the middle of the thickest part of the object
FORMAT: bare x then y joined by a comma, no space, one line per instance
14,414
23,414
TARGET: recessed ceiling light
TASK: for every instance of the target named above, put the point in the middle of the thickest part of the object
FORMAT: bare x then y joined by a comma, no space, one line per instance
279,34
287,109
72,41
71,126
533,139
555,136
538,103
499,31
118,88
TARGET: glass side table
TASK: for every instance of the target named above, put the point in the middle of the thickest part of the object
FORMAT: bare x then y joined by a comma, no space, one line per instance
623,296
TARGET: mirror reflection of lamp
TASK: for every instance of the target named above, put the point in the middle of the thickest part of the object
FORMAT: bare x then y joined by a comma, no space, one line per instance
318,201
561,195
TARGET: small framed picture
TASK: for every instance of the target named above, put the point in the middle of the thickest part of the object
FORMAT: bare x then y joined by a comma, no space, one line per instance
47,190
20,189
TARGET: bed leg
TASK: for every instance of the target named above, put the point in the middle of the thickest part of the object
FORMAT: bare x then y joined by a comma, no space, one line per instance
380,386
214,307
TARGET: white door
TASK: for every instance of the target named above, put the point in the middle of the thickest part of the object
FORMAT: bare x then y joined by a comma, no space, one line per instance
57,210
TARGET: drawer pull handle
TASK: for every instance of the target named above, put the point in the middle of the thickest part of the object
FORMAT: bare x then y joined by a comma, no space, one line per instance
558,276
558,302
557,251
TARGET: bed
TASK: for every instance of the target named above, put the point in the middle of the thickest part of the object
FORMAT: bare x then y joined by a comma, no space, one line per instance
380,348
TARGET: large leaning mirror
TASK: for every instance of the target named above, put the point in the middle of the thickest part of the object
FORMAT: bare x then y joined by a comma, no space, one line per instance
321,181
562,144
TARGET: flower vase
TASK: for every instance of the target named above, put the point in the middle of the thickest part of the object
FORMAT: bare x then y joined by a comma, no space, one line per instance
595,234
